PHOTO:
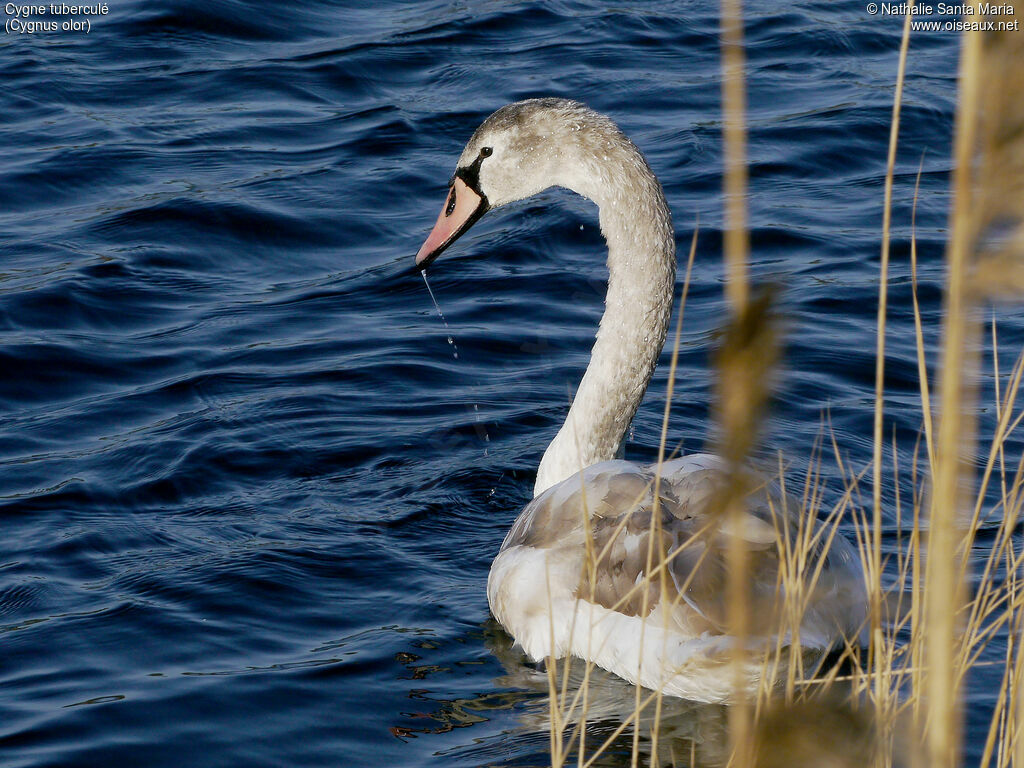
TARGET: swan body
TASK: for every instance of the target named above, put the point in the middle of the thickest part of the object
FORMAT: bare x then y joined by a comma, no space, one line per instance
574,576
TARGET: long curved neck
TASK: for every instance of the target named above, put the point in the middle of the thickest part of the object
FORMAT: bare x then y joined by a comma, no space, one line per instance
641,275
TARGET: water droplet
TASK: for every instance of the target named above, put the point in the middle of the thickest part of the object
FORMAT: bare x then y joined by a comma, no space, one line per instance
481,429
455,347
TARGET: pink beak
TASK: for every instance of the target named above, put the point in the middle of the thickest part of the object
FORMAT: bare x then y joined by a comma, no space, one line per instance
461,210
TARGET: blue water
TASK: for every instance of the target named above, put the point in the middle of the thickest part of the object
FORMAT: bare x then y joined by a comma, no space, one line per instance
248,494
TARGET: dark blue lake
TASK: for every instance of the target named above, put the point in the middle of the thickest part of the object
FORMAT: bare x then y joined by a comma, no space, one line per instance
248,494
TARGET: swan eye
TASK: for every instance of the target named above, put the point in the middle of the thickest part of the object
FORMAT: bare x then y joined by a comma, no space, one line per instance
451,204
486,151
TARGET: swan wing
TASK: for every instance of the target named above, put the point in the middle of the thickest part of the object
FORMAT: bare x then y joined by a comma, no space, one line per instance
605,519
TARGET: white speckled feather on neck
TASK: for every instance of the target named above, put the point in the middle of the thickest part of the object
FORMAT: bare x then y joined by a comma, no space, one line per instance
566,144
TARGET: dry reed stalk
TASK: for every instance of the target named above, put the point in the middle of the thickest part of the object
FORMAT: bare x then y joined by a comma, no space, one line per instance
943,590
734,135
745,360
916,654
875,562
999,228
655,515
997,236
736,247
1015,740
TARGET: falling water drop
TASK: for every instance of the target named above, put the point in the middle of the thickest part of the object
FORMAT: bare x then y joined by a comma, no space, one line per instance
451,341
481,430
496,483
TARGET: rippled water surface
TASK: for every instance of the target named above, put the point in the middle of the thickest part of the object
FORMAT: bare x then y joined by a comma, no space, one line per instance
248,494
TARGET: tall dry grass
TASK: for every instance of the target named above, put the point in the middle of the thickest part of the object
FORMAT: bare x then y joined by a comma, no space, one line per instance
933,610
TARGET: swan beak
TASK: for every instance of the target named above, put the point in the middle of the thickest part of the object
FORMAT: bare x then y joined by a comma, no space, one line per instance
462,208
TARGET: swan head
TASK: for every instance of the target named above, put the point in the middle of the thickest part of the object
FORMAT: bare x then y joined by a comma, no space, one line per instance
518,151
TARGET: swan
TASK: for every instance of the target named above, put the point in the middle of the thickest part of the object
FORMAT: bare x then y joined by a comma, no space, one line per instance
571,578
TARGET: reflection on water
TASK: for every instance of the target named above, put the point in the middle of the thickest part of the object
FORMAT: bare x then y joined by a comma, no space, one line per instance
689,730
818,729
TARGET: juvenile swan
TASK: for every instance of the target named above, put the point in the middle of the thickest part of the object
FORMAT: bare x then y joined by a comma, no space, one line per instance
544,588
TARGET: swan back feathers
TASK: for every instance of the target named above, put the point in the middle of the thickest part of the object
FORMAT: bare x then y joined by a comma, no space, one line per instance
595,530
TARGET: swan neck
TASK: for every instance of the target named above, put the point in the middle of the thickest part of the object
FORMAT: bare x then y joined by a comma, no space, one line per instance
638,230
